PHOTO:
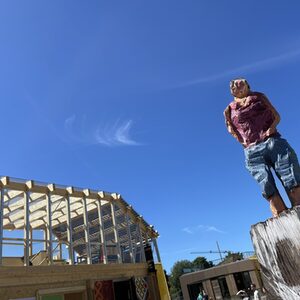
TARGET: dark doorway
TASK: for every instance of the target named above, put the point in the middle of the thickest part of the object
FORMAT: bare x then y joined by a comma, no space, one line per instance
194,290
124,290
223,287
242,280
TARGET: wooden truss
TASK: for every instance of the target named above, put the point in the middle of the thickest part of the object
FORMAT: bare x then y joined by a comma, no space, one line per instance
89,222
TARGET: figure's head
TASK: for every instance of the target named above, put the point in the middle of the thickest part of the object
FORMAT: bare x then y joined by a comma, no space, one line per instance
252,286
239,87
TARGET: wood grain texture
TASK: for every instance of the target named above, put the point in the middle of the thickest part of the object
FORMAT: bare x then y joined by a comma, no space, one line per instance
17,276
18,282
277,246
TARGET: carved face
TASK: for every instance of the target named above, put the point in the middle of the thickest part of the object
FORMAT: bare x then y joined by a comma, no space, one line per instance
239,88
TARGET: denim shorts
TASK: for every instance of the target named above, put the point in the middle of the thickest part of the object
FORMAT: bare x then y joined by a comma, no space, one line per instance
274,153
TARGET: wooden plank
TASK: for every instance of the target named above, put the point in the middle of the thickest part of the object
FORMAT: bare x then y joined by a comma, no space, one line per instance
277,246
22,276
35,210
29,291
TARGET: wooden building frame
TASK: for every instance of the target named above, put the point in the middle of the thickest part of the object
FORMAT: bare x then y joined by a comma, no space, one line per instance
97,226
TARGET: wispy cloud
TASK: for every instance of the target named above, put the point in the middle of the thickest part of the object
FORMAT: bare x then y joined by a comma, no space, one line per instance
188,230
118,134
113,134
253,67
201,228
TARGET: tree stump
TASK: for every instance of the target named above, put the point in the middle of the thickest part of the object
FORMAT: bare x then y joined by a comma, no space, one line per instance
277,246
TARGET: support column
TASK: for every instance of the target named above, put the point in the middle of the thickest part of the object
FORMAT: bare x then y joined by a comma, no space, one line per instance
45,238
26,227
156,250
49,226
113,216
69,225
143,258
60,250
146,238
1,223
86,229
231,284
102,233
135,246
30,242
132,259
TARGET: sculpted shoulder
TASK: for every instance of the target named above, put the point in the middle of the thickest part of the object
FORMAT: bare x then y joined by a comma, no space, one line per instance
256,95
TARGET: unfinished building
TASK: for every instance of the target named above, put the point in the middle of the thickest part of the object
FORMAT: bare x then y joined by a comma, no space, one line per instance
67,243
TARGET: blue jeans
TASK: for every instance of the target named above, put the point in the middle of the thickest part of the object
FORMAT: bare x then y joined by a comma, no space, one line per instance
274,153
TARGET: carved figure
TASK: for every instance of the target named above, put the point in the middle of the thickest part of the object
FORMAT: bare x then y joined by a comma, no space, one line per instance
252,120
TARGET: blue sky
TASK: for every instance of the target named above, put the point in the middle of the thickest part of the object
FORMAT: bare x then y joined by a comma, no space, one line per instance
128,97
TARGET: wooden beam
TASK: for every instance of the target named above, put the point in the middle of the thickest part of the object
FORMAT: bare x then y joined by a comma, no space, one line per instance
115,227
69,229
62,275
26,228
143,258
156,250
102,233
49,227
132,258
86,231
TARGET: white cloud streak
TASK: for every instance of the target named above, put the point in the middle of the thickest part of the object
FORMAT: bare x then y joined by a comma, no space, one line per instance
253,67
111,135
201,228
187,230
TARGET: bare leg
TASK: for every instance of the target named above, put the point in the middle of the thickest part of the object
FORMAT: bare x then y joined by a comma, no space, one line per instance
294,196
287,169
276,204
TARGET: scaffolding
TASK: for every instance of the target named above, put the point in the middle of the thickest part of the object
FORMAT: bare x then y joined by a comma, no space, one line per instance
92,226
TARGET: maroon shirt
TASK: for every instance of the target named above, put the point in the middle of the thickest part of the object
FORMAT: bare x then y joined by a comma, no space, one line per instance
253,119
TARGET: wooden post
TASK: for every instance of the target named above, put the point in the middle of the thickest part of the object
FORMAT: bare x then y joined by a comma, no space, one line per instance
102,233
45,233
30,242
86,228
49,227
156,250
69,225
277,246
115,227
60,251
26,228
132,259
143,258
